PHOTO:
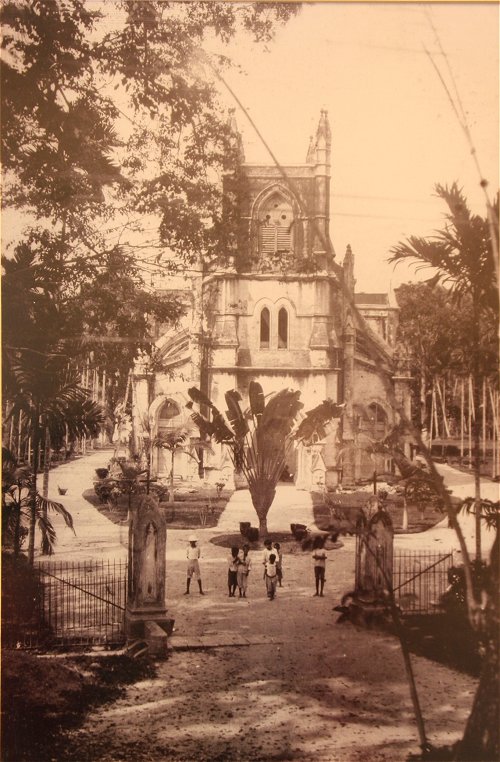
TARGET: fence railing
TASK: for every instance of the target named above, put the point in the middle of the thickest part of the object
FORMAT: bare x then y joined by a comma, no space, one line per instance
419,579
71,603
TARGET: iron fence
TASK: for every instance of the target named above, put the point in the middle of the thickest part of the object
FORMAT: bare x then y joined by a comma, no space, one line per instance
419,579
69,604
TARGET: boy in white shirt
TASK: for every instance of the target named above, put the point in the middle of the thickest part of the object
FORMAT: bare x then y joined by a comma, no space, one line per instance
193,553
243,570
271,576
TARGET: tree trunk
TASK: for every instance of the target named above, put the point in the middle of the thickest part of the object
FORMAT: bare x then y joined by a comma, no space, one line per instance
405,515
477,468
45,548
171,488
481,737
17,525
263,526
476,394
46,463
480,740
262,492
33,496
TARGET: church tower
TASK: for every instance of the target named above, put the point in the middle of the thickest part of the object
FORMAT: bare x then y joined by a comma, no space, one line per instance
276,309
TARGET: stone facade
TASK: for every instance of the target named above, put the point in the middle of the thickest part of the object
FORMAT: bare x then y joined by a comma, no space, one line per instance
283,313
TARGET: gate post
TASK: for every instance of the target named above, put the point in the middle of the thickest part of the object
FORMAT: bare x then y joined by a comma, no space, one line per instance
374,562
146,613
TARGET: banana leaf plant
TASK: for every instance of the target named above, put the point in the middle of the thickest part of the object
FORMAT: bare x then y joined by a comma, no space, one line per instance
260,437
17,505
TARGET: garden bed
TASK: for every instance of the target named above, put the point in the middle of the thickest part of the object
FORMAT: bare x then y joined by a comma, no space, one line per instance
188,511
343,518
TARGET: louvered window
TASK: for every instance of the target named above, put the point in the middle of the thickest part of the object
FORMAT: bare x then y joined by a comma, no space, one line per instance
275,239
276,227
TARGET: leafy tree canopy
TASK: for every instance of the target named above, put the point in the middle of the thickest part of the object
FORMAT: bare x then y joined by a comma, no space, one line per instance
438,334
111,119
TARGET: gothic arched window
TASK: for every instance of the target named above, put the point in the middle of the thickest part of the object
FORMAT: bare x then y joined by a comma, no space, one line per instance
373,421
282,329
265,328
276,226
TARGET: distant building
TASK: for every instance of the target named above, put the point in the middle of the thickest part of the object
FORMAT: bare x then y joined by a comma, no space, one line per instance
281,313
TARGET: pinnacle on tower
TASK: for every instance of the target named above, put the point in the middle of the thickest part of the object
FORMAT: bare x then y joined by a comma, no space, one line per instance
348,268
323,133
236,135
310,151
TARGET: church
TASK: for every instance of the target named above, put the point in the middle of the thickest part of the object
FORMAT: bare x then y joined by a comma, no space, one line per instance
284,313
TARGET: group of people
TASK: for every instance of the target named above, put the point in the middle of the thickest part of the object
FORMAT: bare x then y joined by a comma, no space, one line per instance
239,565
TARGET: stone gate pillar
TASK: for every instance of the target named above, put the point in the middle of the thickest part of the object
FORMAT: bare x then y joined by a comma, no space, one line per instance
146,613
374,554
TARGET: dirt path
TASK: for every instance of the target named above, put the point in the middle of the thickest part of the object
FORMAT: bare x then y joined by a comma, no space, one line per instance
311,689
304,688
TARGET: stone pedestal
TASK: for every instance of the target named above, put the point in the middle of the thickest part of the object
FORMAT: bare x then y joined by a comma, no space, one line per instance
146,577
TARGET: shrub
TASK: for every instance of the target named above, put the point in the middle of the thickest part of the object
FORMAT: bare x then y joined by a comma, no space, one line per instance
299,531
244,527
253,534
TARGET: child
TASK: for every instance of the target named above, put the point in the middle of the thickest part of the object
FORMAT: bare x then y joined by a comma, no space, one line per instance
271,576
279,562
232,578
193,568
268,549
243,570
319,560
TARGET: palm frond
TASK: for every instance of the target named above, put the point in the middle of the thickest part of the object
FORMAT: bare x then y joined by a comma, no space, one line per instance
316,419
205,426
235,414
257,400
199,397
222,432
44,505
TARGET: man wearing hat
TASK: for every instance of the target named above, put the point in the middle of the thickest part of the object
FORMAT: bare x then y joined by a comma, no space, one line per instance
193,567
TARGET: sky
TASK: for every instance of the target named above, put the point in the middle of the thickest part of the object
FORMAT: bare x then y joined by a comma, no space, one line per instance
394,133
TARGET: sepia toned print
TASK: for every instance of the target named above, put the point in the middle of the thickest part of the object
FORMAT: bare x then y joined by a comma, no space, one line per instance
250,336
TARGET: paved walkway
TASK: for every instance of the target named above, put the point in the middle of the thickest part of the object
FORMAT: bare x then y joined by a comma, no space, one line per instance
95,536
442,537
290,506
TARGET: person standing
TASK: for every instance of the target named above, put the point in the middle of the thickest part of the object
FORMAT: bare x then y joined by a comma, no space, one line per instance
243,570
268,549
193,554
232,571
279,562
319,556
271,576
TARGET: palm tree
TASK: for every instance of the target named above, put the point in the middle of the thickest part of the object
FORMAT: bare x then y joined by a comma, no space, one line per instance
173,441
42,386
17,502
260,439
461,255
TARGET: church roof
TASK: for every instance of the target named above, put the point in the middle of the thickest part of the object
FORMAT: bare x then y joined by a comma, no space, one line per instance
175,348
364,298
